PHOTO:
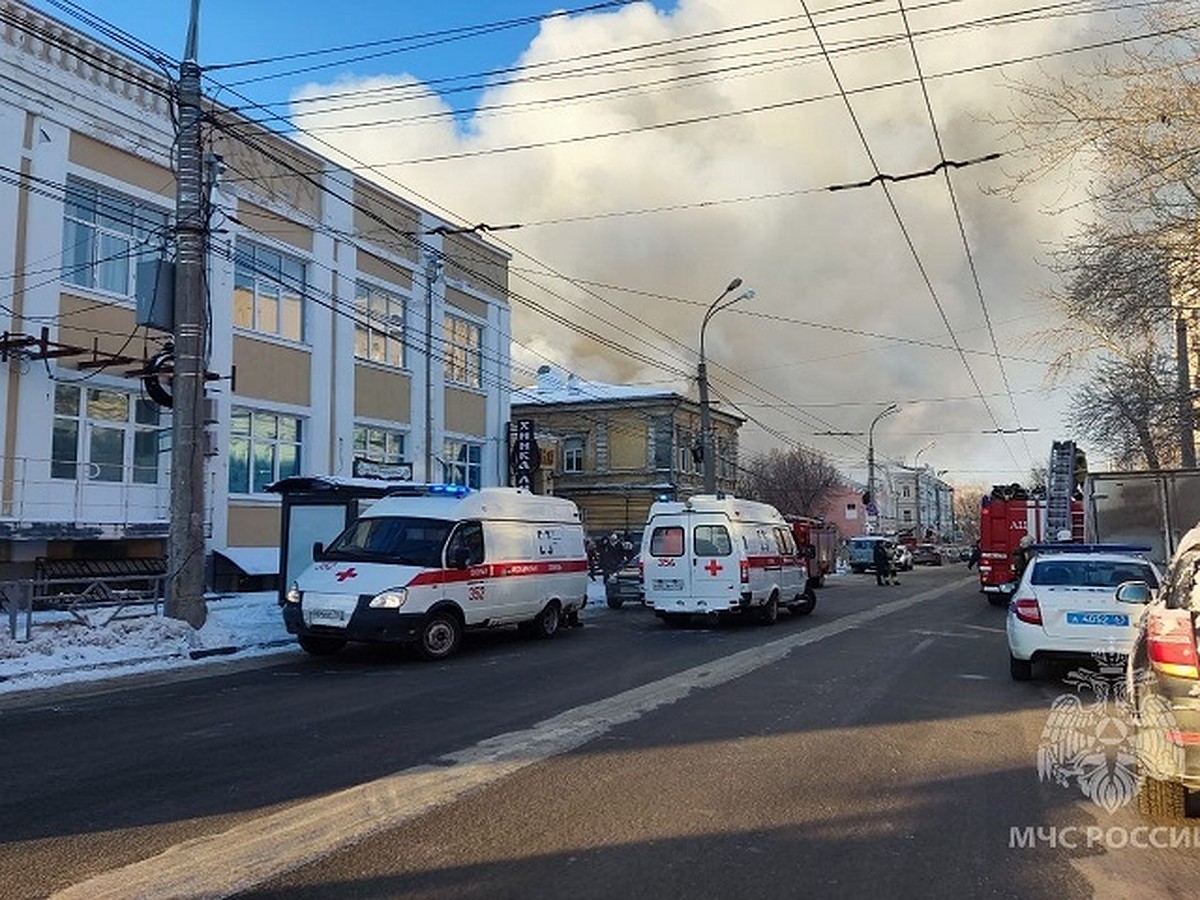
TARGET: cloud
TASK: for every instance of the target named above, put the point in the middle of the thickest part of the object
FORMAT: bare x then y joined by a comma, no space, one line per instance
830,268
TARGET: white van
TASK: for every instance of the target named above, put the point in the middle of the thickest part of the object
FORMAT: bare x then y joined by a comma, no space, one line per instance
716,555
427,562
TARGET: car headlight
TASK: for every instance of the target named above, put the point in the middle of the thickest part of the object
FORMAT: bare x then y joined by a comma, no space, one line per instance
293,593
393,599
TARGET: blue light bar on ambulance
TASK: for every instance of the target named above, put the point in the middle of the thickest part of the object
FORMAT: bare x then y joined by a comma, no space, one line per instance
428,490
1067,547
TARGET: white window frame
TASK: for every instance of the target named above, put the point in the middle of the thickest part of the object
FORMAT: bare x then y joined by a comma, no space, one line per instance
285,285
105,234
255,437
379,444
380,325
572,455
463,365
140,428
468,471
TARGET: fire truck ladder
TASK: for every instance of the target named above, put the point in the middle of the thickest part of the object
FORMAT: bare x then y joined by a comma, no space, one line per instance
1059,488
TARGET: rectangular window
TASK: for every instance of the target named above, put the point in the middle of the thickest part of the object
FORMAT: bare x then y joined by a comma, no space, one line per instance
464,352
379,326
105,235
463,463
263,448
108,435
666,540
573,455
268,291
712,540
379,445
662,443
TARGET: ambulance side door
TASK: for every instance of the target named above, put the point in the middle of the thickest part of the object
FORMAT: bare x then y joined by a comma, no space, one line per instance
467,581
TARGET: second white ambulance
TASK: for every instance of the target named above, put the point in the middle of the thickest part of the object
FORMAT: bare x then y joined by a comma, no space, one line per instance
717,555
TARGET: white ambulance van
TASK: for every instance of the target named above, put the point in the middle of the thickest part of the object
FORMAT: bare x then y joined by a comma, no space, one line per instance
719,555
427,562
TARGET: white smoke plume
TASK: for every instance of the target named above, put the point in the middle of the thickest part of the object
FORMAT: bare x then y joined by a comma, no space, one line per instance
719,153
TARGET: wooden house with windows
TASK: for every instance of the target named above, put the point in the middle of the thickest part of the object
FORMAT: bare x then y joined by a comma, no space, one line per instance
615,449
347,322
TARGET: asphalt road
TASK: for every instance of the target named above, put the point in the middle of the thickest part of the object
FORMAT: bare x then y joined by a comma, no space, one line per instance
875,748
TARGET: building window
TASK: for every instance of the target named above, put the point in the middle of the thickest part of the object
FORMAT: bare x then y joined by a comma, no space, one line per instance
662,435
572,455
726,462
907,516
113,434
378,444
105,235
463,463
464,343
904,492
268,291
689,456
263,447
379,326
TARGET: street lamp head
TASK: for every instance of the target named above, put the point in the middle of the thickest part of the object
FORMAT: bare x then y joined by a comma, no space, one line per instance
748,294
734,285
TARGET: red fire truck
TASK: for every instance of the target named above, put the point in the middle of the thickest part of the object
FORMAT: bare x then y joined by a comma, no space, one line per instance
1007,515
822,536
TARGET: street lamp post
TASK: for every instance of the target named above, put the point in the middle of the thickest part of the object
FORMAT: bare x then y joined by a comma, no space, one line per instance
917,470
871,452
706,435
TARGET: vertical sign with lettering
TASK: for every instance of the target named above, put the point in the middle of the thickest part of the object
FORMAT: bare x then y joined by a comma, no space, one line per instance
526,456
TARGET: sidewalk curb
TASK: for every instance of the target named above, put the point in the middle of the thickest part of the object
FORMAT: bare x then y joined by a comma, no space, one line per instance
117,664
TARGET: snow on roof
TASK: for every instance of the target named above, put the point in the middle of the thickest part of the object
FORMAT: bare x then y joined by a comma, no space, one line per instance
253,560
551,388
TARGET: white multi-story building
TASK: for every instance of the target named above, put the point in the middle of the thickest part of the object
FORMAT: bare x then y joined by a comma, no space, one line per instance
346,322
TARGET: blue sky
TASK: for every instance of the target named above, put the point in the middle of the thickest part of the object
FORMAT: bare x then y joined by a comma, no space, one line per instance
236,32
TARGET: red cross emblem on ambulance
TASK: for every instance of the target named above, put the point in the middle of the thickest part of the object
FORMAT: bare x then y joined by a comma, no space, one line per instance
712,567
345,573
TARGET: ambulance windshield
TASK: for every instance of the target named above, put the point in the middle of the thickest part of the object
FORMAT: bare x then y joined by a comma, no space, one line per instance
402,540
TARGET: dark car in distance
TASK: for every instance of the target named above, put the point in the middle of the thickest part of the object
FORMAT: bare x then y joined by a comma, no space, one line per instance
927,555
625,585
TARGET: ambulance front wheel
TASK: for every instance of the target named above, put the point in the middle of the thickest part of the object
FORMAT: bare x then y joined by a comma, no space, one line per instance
320,646
440,635
804,607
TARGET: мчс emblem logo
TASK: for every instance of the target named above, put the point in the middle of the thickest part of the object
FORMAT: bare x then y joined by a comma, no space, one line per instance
1090,744
1093,745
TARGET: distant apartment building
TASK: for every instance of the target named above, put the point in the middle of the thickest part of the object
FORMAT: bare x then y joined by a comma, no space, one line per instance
924,504
615,449
347,323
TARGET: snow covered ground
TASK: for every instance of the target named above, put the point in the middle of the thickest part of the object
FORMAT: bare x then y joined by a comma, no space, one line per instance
63,650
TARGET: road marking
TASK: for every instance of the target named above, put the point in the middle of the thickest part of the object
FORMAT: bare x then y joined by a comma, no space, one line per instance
953,634
921,646
249,854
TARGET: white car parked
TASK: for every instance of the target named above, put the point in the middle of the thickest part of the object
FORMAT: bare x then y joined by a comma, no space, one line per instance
1065,605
